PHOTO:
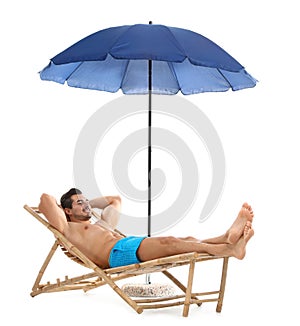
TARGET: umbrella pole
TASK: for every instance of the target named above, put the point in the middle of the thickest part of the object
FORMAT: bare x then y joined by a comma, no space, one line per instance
149,149
149,144
149,140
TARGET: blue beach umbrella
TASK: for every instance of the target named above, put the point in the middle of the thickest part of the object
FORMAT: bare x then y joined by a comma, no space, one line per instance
148,59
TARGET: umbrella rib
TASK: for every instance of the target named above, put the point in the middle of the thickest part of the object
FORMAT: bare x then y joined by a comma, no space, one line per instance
125,73
116,41
226,79
174,74
74,70
178,44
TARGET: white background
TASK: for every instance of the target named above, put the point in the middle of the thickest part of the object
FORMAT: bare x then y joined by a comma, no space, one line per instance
259,128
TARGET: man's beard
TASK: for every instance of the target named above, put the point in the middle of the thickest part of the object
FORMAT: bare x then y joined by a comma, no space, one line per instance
83,217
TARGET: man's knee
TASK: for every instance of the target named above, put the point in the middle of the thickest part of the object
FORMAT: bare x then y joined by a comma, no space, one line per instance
169,241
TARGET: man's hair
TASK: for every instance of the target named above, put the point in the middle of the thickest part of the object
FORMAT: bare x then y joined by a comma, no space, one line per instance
66,201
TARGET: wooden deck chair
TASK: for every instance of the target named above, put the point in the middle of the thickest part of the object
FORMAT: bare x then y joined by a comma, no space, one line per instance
98,276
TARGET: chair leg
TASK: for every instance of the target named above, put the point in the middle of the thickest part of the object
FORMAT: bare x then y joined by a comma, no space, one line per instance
188,293
43,268
222,285
179,284
121,293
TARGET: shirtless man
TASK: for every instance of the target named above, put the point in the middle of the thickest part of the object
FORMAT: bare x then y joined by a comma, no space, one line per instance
107,248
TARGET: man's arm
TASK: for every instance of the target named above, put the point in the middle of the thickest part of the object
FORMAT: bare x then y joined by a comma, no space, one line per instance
53,213
111,207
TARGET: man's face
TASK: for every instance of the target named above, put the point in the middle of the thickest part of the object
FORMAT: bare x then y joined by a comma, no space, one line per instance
81,209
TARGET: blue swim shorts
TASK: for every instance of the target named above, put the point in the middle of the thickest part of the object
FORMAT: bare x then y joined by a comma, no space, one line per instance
124,251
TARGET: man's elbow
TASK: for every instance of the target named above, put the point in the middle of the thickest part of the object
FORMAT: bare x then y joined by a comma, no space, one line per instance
118,199
45,201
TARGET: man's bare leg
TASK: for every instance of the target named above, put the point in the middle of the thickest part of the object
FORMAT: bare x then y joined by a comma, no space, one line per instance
158,247
237,250
237,228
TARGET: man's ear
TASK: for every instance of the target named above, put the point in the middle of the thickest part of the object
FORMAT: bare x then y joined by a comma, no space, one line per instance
68,211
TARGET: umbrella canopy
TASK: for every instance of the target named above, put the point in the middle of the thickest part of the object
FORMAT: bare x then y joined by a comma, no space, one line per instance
117,58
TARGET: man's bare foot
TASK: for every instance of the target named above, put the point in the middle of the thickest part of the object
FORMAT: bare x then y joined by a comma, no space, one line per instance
239,249
247,206
247,228
237,228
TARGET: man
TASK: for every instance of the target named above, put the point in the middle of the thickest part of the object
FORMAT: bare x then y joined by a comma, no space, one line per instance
107,248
